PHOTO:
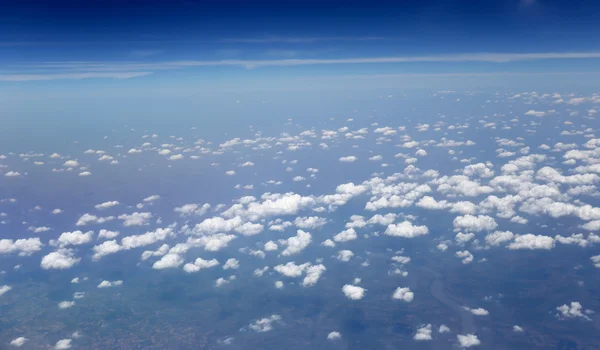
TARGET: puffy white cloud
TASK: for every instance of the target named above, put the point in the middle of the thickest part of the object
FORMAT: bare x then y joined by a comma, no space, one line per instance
260,272
472,223
71,163
217,225
60,259
478,311
4,289
401,259
574,310
406,229
24,246
212,243
231,264
192,209
109,284
345,255
200,264
75,238
423,333
444,329
517,329
328,243
346,235
462,238
18,342
63,344
313,274
312,222
404,294
468,340
106,234
353,292
465,255
168,261
535,113
348,159
531,241
150,237
296,243
66,304
106,248
498,237
106,205
291,269
334,335
270,246
135,219
596,260
249,229
152,198
12,174
278,284
89,219
264,324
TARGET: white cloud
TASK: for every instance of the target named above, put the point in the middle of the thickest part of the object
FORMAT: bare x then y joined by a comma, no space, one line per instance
75,238
346,235
200,264
312,222
517,329
89,219
63,344
24,246
328,243
168,261
423,333
71,163
152,198
313,274
531,241
468,340
109,284
498,237
334,336
106,205
135,219
444,329
192,209
353,292
106,234
135,241
249,229
478,311
265,324
66,304
465,255
4,289
18,342
348,159
60,259
472,223
596,260
106,248
291,269
296,243
270,246
404,294
231,264
212,243
574,310
406,230
535,113
12,174
345,255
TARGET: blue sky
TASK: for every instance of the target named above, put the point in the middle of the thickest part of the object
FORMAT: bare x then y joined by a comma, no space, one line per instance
217,42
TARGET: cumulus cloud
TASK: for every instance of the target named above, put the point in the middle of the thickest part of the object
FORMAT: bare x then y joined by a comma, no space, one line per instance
63,344
296,243
60,259
291,269
24,246
89,219
231,264
472,223
109,284
168,261
4,289
18,342
75,238
348,159
106,205
498,237
406,230
404,294
468,340
200,264
346,235
106,234
573,310
106,248
192,209
353,292
313,274
531,242
334,336
423,333
135,219
66,304
345,255
264,324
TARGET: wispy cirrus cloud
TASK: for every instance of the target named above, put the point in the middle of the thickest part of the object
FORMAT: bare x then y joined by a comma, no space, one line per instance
125,70
71,76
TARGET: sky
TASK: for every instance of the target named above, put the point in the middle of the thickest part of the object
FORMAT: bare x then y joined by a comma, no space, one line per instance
238,44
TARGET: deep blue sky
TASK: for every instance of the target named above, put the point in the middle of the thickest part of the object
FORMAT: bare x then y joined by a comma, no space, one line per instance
41,40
